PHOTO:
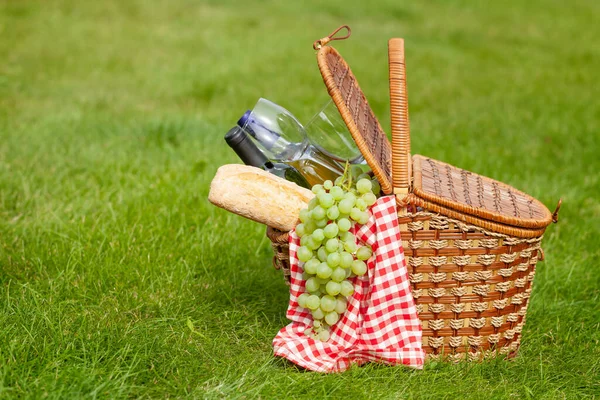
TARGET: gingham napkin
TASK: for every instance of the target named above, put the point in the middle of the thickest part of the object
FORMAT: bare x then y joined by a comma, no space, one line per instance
381,322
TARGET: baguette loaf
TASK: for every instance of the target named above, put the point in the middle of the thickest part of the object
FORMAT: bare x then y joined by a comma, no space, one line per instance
258,195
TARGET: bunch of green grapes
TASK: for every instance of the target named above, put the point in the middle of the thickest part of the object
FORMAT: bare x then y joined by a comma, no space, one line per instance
328,252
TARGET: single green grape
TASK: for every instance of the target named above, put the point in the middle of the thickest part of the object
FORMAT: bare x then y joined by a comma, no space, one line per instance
304,240
304,253
333,259
312,244
328,184
350,247
338,274
322,254
309,226
322,223
317,188
313,302
364,185
331,230
332,317
364,218
324,271
346,260
317,323
337,193
343,224
333,288
376,187
326,200
311,265
359,267
361,204
364,253
345,206
317,235
302,299
313,203
331,245
304,215
350,196
312,285
300,230
369,198
347,288
341,305
318,213
328,303
333,213
317,313
355,214
347,237
323,336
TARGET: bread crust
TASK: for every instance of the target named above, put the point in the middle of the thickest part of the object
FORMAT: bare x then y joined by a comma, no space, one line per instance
258,195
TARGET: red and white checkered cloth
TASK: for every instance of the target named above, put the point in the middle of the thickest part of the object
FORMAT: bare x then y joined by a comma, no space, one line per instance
381,322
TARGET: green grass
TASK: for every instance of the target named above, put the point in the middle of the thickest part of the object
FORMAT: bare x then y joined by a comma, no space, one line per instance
118,279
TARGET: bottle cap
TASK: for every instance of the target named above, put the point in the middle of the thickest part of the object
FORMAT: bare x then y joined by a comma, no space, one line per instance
237,139
235,136
244,118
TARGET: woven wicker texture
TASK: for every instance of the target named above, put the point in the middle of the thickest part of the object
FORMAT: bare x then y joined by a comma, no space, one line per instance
476,195
281,251
471,287
358,116
401,160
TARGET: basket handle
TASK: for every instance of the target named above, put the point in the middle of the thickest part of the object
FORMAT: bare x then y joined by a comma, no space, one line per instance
401,161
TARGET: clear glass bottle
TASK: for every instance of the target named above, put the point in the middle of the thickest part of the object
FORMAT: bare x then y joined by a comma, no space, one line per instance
280,136
237,139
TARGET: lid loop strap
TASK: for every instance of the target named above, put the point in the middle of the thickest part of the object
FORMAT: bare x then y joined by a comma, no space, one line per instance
322,42
555,213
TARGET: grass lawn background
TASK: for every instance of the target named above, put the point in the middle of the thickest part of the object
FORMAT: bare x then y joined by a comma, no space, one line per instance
118,279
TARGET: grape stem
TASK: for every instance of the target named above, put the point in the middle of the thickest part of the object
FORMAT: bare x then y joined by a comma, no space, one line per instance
347,178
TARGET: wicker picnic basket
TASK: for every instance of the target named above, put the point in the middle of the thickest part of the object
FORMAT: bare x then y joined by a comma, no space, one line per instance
471,243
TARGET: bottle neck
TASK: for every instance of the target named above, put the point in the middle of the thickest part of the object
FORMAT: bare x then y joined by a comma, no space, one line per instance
237,139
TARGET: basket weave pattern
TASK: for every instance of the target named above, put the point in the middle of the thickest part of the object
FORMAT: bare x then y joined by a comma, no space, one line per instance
471,286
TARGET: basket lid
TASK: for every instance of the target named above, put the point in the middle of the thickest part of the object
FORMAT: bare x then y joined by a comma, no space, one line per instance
476,195
354,109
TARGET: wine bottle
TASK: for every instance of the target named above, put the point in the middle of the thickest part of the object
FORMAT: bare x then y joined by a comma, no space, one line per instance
237,139
281,137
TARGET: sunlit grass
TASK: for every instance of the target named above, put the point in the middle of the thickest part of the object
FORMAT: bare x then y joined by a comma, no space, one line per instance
118,279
